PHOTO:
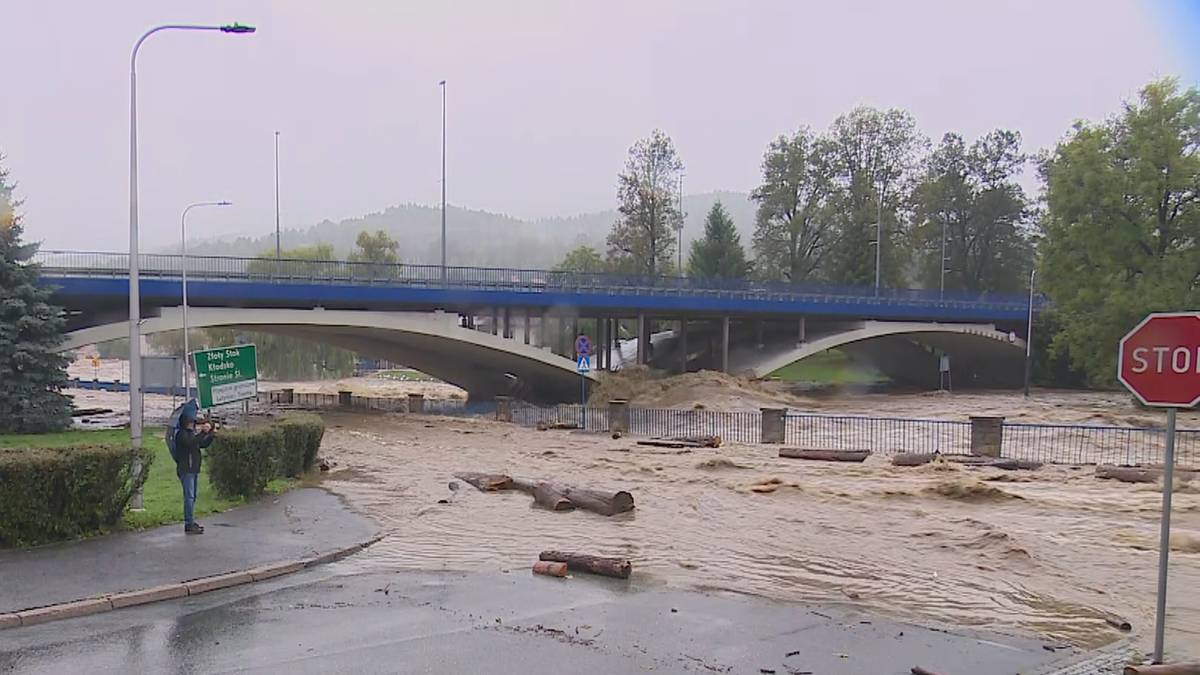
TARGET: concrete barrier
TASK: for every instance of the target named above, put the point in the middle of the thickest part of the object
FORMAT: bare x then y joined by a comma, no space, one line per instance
987,434
66,610
773,425
220,581
618,416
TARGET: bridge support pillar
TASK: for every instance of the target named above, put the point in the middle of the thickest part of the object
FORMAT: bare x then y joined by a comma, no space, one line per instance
495,319
508,333
526,325
683,346
610,336
802,337
601,324
773,424
758,330
641,340
504,409
987,434
724,344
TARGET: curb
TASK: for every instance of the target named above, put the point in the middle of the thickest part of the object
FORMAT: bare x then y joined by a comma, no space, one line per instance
183,589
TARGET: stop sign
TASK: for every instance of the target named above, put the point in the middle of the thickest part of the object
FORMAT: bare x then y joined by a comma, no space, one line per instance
1159,360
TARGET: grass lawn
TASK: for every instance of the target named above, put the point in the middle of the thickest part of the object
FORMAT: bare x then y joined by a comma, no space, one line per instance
404,375
162,495
828,367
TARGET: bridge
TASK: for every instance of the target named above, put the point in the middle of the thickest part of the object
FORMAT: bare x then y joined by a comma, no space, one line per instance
501,330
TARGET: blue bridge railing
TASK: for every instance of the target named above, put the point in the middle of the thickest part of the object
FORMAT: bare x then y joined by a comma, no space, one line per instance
94,264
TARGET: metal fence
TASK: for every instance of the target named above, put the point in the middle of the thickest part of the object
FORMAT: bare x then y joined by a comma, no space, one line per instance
1089,444
430,406
736,427
575,416
883,435
82,263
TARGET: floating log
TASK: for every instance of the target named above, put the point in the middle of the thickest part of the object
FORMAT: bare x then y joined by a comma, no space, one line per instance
974,460
486,482
604,502
554,496
544,494
550,569
1165,669
825,455
669,443
913,458
578,562
701,441
1128,474
1014,465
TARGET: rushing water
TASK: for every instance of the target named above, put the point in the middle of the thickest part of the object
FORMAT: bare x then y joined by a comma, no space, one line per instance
1052,552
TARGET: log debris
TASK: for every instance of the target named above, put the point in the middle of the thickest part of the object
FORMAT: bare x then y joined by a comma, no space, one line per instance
618,568
554,496
825,455
485,482
550,568
913,458
1128,474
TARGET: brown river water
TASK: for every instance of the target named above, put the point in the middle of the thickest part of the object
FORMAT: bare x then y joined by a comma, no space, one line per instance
1050,553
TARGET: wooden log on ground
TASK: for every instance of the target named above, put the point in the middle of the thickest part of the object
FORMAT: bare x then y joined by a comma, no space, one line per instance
973,460
550,568
1128,474
617,568
486,482
913,458
1165,669
825,455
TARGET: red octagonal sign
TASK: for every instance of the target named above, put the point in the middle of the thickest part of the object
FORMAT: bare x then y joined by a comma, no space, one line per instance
1159,360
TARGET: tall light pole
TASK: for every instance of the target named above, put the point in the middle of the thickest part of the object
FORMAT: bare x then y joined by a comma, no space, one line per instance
682,215
1029,334
942,280
878,242
278,245
442,84
135,309
187,352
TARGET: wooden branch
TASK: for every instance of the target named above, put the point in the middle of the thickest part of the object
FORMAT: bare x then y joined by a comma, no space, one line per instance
825,455
617,568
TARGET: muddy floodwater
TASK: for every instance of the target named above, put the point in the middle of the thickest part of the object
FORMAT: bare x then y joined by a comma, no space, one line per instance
1053,552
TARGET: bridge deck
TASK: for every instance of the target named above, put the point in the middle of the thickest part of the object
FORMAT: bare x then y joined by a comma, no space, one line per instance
87,278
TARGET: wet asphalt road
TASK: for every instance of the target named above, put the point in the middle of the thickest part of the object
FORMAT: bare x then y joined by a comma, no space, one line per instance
334,620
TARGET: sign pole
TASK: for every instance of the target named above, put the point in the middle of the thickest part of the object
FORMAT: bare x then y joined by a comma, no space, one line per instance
1164,539
583,399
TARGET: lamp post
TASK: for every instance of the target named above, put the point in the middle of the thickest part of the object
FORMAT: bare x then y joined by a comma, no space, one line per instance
942,273
278,246
682,215
878,242
187,353
135,310
442,84
1029,334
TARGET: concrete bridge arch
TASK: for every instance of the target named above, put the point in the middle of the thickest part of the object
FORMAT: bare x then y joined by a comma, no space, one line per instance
485,365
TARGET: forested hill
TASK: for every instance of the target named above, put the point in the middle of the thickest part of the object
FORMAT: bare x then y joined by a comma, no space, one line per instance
479,237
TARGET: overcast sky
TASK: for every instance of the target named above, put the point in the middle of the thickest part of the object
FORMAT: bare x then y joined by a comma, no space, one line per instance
544,97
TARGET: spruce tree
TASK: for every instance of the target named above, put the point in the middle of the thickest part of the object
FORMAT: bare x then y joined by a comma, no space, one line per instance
32,374
719,255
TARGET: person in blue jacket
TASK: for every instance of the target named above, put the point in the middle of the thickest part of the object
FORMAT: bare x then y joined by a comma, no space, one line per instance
189,440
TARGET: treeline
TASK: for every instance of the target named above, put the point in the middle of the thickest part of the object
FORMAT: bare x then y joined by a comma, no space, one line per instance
1114,232
952,215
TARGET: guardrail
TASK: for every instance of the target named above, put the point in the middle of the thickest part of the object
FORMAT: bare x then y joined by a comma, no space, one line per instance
96,264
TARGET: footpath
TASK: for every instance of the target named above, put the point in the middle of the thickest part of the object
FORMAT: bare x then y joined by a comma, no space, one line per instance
271,537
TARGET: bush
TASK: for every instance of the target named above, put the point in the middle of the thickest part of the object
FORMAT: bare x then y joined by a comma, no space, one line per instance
48,494
302,436
242,461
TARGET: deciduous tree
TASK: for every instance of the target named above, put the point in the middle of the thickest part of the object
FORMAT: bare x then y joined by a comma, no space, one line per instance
1122,223
643,239
794,227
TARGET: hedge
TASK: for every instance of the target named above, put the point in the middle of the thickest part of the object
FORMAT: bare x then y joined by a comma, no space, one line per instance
48,494
242,461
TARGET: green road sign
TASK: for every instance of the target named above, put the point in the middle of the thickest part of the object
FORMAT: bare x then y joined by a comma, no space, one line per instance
226,374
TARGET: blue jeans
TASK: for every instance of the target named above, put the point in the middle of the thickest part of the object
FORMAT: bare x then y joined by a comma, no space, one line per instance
191,482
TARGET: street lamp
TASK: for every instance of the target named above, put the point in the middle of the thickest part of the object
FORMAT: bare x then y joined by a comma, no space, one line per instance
442,84
878,242
1029,334
187,370
278,248
679,228
135,309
